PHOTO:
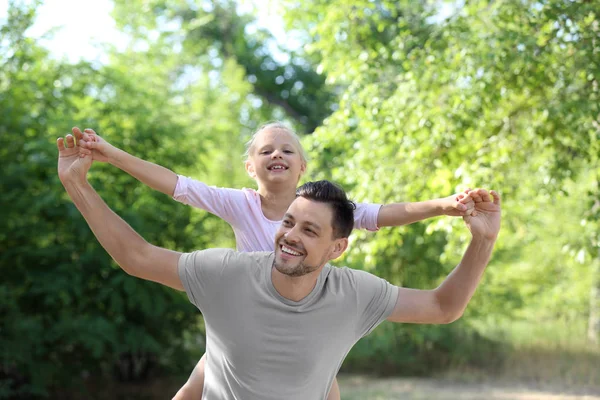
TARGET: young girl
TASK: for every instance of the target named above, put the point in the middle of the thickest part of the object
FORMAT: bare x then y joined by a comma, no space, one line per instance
276,160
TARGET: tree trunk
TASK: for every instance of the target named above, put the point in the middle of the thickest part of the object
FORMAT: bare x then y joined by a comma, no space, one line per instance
594,321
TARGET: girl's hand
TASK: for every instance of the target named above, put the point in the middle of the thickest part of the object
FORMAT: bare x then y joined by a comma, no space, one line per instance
458,205
100,149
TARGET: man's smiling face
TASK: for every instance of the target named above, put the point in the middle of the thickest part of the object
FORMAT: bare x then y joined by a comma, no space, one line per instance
305,240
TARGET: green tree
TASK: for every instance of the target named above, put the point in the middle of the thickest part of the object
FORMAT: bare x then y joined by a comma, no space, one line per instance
73,312
211,35
500,93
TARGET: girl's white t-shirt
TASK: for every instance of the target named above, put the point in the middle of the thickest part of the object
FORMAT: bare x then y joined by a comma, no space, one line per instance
241,208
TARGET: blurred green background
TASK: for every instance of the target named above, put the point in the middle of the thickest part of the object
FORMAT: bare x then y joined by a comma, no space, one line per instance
395,100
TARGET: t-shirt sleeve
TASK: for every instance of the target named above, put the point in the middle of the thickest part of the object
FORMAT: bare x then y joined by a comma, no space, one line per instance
204,273
365,216
376,299
225,203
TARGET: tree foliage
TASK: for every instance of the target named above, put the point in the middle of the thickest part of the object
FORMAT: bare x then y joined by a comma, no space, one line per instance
216,32
409,104
486,95
501,94
70,305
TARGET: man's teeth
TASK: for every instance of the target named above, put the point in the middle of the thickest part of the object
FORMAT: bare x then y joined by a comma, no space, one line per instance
290,251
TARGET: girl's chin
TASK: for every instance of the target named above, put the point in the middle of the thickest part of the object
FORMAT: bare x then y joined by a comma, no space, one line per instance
285,172
280,178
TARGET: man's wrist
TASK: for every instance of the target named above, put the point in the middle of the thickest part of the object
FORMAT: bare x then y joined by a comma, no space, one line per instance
75,183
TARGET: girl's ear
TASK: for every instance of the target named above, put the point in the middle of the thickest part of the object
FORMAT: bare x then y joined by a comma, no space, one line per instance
302,168
250,169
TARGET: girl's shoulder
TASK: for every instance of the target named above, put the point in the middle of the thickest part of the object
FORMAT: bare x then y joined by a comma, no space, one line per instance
251,195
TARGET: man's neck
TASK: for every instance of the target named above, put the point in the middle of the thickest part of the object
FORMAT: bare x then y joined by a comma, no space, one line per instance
294,288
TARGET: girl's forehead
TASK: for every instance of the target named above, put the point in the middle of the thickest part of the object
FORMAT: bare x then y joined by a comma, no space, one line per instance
270,136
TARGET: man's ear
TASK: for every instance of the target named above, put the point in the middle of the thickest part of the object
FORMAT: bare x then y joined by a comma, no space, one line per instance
250,169
339,246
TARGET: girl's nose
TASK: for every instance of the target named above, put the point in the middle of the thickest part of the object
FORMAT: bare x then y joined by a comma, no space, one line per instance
276,154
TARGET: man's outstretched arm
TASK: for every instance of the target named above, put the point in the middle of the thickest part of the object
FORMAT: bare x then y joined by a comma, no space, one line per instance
447,302
136,256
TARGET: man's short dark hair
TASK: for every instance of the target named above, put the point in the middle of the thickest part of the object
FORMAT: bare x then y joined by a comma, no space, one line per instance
332,194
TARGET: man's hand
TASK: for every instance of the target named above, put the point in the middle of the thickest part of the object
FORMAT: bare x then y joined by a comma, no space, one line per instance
100,149
485,220
73,163
458,205
136,256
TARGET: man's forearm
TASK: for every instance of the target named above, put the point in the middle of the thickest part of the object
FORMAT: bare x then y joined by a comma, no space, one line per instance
397,214
457,289
157,177
115,235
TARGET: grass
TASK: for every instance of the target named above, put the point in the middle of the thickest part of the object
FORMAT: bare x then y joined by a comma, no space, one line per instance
547,354
542,360
546,360
556,335
364,388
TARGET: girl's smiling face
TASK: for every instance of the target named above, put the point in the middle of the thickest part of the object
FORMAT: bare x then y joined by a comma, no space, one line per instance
275,157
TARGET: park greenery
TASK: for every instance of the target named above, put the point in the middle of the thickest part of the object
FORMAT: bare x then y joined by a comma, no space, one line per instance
394,100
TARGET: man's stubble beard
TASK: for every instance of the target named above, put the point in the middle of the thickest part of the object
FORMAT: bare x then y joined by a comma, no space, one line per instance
299,270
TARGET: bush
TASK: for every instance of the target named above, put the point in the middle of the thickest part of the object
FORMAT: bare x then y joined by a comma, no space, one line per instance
420,350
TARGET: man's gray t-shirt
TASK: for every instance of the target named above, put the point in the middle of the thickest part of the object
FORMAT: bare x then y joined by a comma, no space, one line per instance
260,345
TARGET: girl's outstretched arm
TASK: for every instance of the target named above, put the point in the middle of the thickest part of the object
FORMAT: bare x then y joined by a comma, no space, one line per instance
397,214
157,177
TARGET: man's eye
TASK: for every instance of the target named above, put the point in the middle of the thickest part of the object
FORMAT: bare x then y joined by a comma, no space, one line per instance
310,232
286,223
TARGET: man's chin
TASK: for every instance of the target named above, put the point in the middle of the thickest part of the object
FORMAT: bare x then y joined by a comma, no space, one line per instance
293,271
289,270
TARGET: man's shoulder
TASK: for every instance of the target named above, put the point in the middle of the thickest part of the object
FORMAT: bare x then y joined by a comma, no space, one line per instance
350,276
231,256
259,258
341,275
345,271
224,263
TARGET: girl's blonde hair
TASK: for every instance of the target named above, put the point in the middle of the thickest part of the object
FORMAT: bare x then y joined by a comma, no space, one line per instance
280,126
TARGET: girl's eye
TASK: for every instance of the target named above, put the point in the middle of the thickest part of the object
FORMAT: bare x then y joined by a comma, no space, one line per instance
288,152
265,152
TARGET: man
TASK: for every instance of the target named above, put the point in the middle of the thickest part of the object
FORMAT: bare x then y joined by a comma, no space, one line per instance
280,324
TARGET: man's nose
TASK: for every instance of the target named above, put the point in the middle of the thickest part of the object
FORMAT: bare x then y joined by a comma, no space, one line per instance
291,236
